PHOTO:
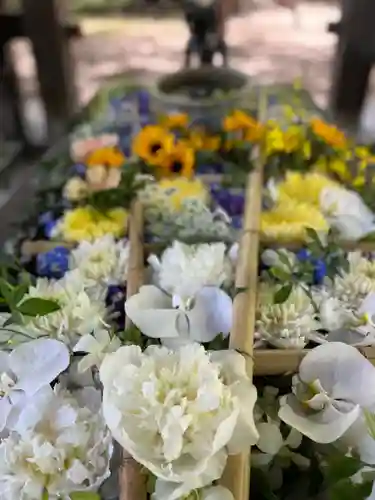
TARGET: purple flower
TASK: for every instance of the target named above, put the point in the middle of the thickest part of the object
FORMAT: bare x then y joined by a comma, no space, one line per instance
54,263
79,169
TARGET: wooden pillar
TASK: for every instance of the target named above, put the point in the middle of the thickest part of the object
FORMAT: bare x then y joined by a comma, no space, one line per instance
54,63
355,54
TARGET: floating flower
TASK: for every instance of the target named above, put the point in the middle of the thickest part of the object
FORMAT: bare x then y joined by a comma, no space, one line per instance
75,189
347,213
199,318
334,384
109,157
24,371
196,408
184,269
103,261
79,313
86,223
178,162
152,143
59,446
287,221
330,134
96,346
81,148
290,324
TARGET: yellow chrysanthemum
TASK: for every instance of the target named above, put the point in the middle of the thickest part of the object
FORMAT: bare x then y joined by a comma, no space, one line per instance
87,224
293,139
288,220
178,162
110,157
179,189
175,121
152,143
274,142
328,133
304,188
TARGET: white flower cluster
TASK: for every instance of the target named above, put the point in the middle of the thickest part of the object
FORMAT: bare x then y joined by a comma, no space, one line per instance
57,447
80,313
194,407
102,262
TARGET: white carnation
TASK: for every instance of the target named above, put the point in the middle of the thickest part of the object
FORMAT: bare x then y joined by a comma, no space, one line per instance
79,313
103,261
185,269
59,446
183,411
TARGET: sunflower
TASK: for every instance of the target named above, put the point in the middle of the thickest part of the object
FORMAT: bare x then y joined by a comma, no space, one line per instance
328,133
110,157
152,144
175,121
179,162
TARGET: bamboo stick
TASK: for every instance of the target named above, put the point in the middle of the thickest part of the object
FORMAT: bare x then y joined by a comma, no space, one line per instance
236,476
132,481
31,248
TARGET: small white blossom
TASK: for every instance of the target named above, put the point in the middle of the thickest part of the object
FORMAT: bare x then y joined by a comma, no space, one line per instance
173,491
97,346
75,189
184,269
334,384
59,446
26,370
195,409
101,262
79,313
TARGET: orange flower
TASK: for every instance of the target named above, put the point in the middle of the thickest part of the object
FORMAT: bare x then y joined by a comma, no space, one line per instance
201,141
239,121
108,156
328,133
175,120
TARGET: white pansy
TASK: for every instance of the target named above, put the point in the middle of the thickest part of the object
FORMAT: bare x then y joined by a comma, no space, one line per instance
201,319
26,370
346,212
79,313
97,346
184,269
60,445
101,262
196,408
334,383
290,324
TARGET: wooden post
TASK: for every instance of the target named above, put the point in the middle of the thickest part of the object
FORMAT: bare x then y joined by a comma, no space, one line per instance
54,63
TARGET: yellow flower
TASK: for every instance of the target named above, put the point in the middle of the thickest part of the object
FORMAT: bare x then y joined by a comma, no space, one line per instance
108,156
340,168
200,141
304,188
175,121
179,189
87,224
239,121
274,142
178,162
288,220
152,143
328,133
293,139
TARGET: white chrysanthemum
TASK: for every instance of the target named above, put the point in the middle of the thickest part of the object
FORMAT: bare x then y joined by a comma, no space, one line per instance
59,446
101,262
183,411
285,325
79,313
351,289
185,269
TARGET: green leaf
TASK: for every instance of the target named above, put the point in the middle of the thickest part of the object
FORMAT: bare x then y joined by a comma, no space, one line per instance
19,292
37,307
370,421
280,274
339,467
347,490
314,237
45,495
84,495
283,294
6,290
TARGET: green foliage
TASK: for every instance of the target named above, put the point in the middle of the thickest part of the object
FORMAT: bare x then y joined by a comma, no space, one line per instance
370,421
84,495
283,294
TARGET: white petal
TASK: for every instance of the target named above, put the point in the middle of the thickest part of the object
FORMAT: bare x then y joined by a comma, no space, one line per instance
87,343
4,362
129,354
5,409
270,438
217,493
342,371
151,311
38,363
324,427
211,314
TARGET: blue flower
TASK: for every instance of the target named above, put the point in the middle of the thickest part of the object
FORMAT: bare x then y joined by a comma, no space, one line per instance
143,102
54,263
45,218
79,169
320,271
303,255
49,227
